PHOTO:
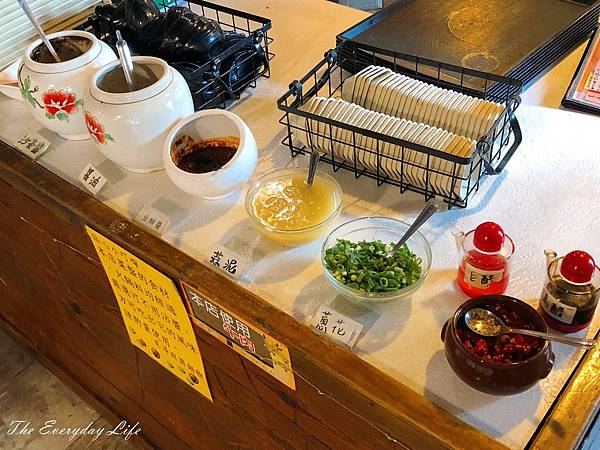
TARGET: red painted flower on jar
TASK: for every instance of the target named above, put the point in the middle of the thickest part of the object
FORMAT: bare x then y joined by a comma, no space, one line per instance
96,129
60,103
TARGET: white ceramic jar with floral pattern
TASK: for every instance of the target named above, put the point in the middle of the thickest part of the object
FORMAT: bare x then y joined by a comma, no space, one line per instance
129,127
54,91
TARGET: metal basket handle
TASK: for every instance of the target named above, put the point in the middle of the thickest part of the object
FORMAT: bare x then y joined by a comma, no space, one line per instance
483,147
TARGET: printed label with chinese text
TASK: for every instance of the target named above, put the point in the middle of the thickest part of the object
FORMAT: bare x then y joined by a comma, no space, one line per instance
247,340
153,219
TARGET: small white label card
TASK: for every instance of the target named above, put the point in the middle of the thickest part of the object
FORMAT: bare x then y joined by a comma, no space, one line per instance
92,179
228,261
153,219
337,326
32,144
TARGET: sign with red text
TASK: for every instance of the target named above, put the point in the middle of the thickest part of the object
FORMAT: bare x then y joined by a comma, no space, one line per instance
249,341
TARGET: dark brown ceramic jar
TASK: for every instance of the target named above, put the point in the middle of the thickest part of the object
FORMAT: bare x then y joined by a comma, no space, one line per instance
491,377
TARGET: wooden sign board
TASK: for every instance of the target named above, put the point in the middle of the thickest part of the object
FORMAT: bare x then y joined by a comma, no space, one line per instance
247,340
153,312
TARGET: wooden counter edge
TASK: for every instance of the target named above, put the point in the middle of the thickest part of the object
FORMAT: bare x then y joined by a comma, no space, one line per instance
403,415
565,425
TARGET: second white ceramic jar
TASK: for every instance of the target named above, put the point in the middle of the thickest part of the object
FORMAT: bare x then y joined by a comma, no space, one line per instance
129,128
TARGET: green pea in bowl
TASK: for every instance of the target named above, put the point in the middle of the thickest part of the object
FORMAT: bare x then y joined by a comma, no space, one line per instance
353,258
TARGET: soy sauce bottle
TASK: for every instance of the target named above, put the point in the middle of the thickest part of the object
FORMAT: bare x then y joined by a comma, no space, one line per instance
484,260
570,294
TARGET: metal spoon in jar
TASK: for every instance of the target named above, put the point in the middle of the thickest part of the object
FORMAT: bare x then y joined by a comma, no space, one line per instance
312,167
426,213
125,59
25,6
486,323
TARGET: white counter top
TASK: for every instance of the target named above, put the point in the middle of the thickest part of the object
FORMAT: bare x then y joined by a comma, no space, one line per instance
547,197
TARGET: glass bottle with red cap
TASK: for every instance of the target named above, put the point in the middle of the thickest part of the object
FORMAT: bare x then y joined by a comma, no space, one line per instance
570,295
484,259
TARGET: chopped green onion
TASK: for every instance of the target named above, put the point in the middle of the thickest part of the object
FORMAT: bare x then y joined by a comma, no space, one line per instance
369,269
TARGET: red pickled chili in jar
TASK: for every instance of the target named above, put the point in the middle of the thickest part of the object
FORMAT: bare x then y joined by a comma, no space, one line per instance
506,348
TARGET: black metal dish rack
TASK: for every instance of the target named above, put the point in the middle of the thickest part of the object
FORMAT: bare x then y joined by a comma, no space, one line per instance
209,90
326,79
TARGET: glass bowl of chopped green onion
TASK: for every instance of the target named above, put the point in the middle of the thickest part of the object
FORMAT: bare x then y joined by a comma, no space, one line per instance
354,260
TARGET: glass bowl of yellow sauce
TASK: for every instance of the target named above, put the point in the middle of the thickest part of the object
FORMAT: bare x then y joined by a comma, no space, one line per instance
284,208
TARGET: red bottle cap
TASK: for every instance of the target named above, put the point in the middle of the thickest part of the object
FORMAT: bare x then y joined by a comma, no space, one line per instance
578,267
489,237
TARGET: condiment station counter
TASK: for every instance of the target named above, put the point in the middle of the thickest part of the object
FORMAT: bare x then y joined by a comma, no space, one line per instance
393,387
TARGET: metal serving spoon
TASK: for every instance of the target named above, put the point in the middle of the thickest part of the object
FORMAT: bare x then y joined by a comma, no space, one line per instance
25,6
428,211
312,167
486,323
126,61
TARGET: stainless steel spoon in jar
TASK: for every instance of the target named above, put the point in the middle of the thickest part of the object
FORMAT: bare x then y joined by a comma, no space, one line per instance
126,61
425,214
312,167
25,6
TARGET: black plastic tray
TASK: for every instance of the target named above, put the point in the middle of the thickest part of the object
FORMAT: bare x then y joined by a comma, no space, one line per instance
515,38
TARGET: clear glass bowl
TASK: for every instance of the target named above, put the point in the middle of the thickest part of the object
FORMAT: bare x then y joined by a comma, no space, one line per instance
301,235
388,231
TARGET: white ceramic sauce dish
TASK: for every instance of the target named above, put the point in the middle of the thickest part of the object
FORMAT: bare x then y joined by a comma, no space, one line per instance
129,128
55,91
205,125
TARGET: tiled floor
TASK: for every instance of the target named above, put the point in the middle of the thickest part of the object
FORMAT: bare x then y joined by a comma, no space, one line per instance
30,393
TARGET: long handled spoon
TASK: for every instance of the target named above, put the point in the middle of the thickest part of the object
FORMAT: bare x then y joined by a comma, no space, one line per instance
312,167
428,211
126,61
38,28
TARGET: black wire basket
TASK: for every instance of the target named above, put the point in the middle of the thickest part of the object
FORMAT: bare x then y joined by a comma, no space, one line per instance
462,174
222,79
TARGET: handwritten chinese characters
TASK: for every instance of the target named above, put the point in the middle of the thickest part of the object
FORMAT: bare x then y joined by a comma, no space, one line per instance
32,144
481,279
92,179
261,349
229,262
153,312
337,326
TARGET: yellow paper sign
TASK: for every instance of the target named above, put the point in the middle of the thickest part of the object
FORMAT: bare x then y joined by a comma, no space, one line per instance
247,340
153,312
